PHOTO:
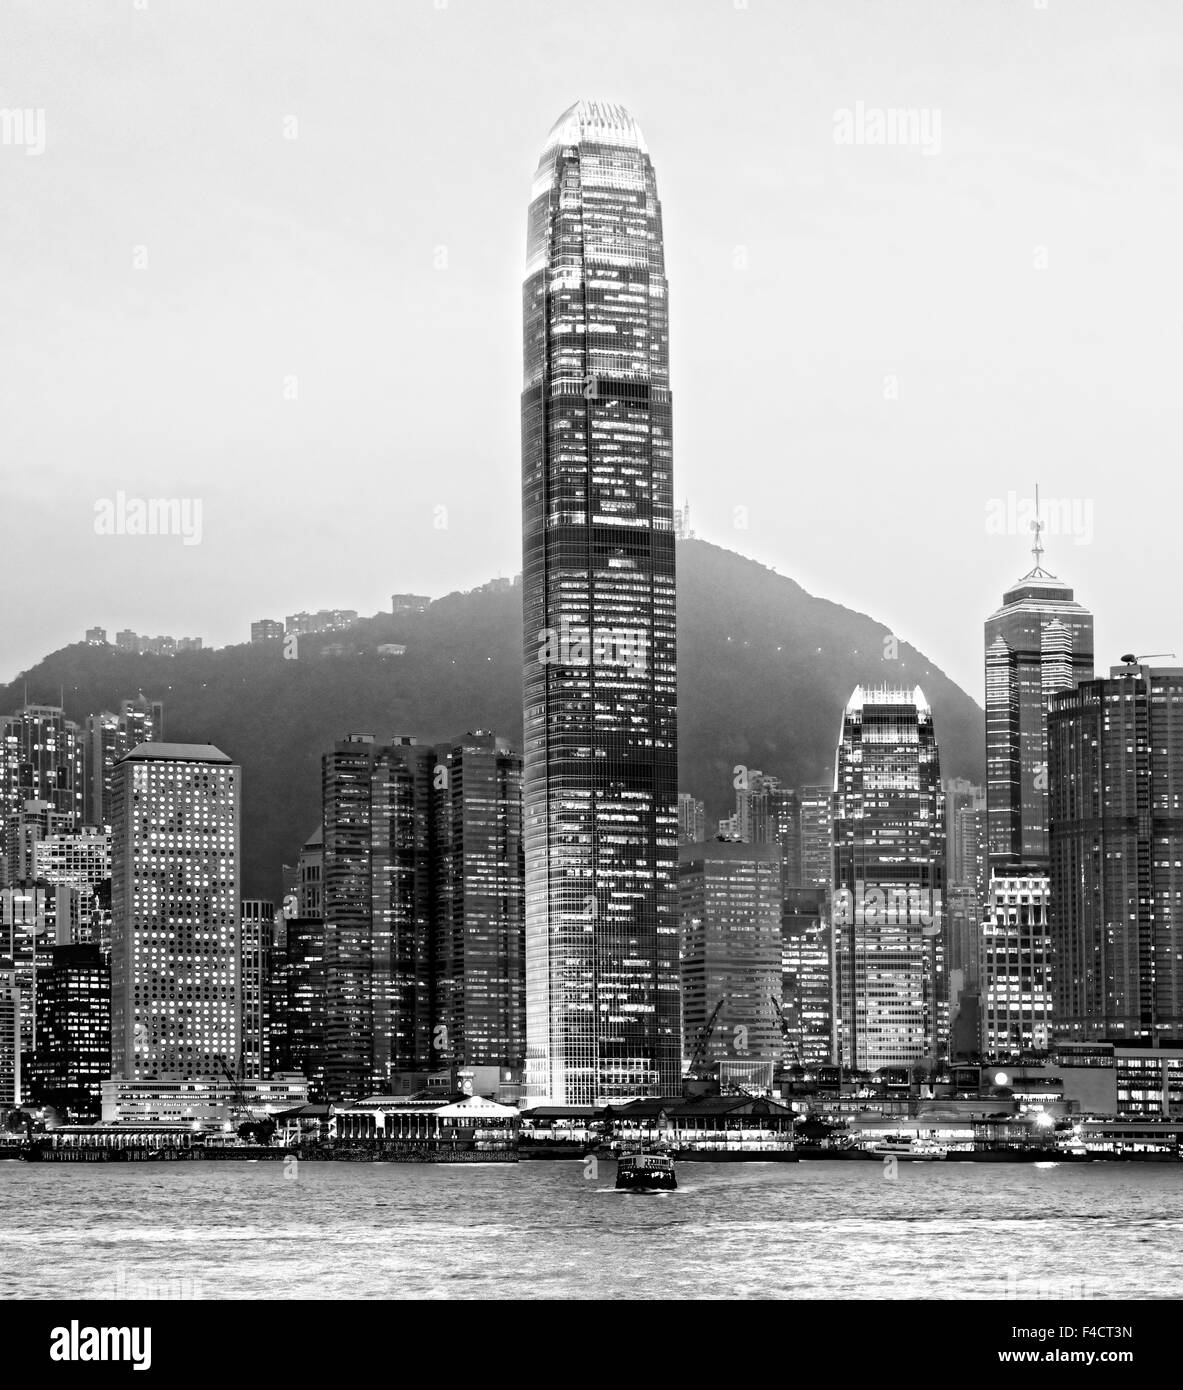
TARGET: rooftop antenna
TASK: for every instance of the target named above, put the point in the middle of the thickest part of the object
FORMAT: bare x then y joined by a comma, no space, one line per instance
1037,526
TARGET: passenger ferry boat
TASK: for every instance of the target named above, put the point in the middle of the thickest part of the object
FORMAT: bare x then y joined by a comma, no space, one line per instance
905,1147
646,1172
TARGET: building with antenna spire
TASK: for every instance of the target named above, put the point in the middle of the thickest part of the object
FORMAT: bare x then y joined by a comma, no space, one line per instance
1038,644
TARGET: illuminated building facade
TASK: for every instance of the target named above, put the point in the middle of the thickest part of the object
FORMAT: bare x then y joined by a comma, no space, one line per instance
889,866
176,991
256,929
1039,642
730,899
1016,953
1116,765
41,759
807,974
600,673
478,970
73,1056
691,820
77,867
10,1037
423,904
817,836
111,736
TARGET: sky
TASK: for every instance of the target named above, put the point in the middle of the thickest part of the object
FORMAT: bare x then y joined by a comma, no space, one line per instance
265,260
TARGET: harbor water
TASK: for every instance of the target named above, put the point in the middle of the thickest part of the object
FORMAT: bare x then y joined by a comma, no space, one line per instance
276,1230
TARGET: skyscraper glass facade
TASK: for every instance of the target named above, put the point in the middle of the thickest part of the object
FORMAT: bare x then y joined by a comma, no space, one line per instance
175,883
600,684
889,864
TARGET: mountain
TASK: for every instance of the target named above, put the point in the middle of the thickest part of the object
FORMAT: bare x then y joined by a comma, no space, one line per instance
765,670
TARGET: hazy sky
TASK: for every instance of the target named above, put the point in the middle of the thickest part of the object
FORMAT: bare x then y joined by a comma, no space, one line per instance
319,337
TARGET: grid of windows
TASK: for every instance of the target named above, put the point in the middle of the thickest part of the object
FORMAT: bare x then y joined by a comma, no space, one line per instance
600,755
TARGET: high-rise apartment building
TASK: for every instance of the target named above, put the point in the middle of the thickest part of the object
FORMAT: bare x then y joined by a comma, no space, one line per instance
1116,765
176,990
42,764
889,867
691,820
730,896
600,671
111,736
769,813
76,867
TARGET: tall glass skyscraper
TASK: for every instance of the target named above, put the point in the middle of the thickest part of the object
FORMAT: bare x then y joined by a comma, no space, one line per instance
889,866
1116,870
176,991
600,678
1038,643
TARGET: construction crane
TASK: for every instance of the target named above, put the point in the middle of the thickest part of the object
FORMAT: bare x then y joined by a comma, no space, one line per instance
701,1039
237,1087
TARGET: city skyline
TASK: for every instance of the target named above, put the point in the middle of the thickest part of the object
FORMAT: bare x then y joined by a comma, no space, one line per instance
1033,383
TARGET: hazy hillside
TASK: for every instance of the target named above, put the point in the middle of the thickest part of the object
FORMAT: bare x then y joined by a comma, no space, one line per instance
764,672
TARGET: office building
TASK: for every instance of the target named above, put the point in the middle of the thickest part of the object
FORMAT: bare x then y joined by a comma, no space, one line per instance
11,1094
423,904
730,900
807,976
817,836
600,671
889,866
176,992
1039,642
1116,783
73,1054
1016,1000
256,932
478,967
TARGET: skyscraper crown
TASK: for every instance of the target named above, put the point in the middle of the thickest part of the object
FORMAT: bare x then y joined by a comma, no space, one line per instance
597,123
